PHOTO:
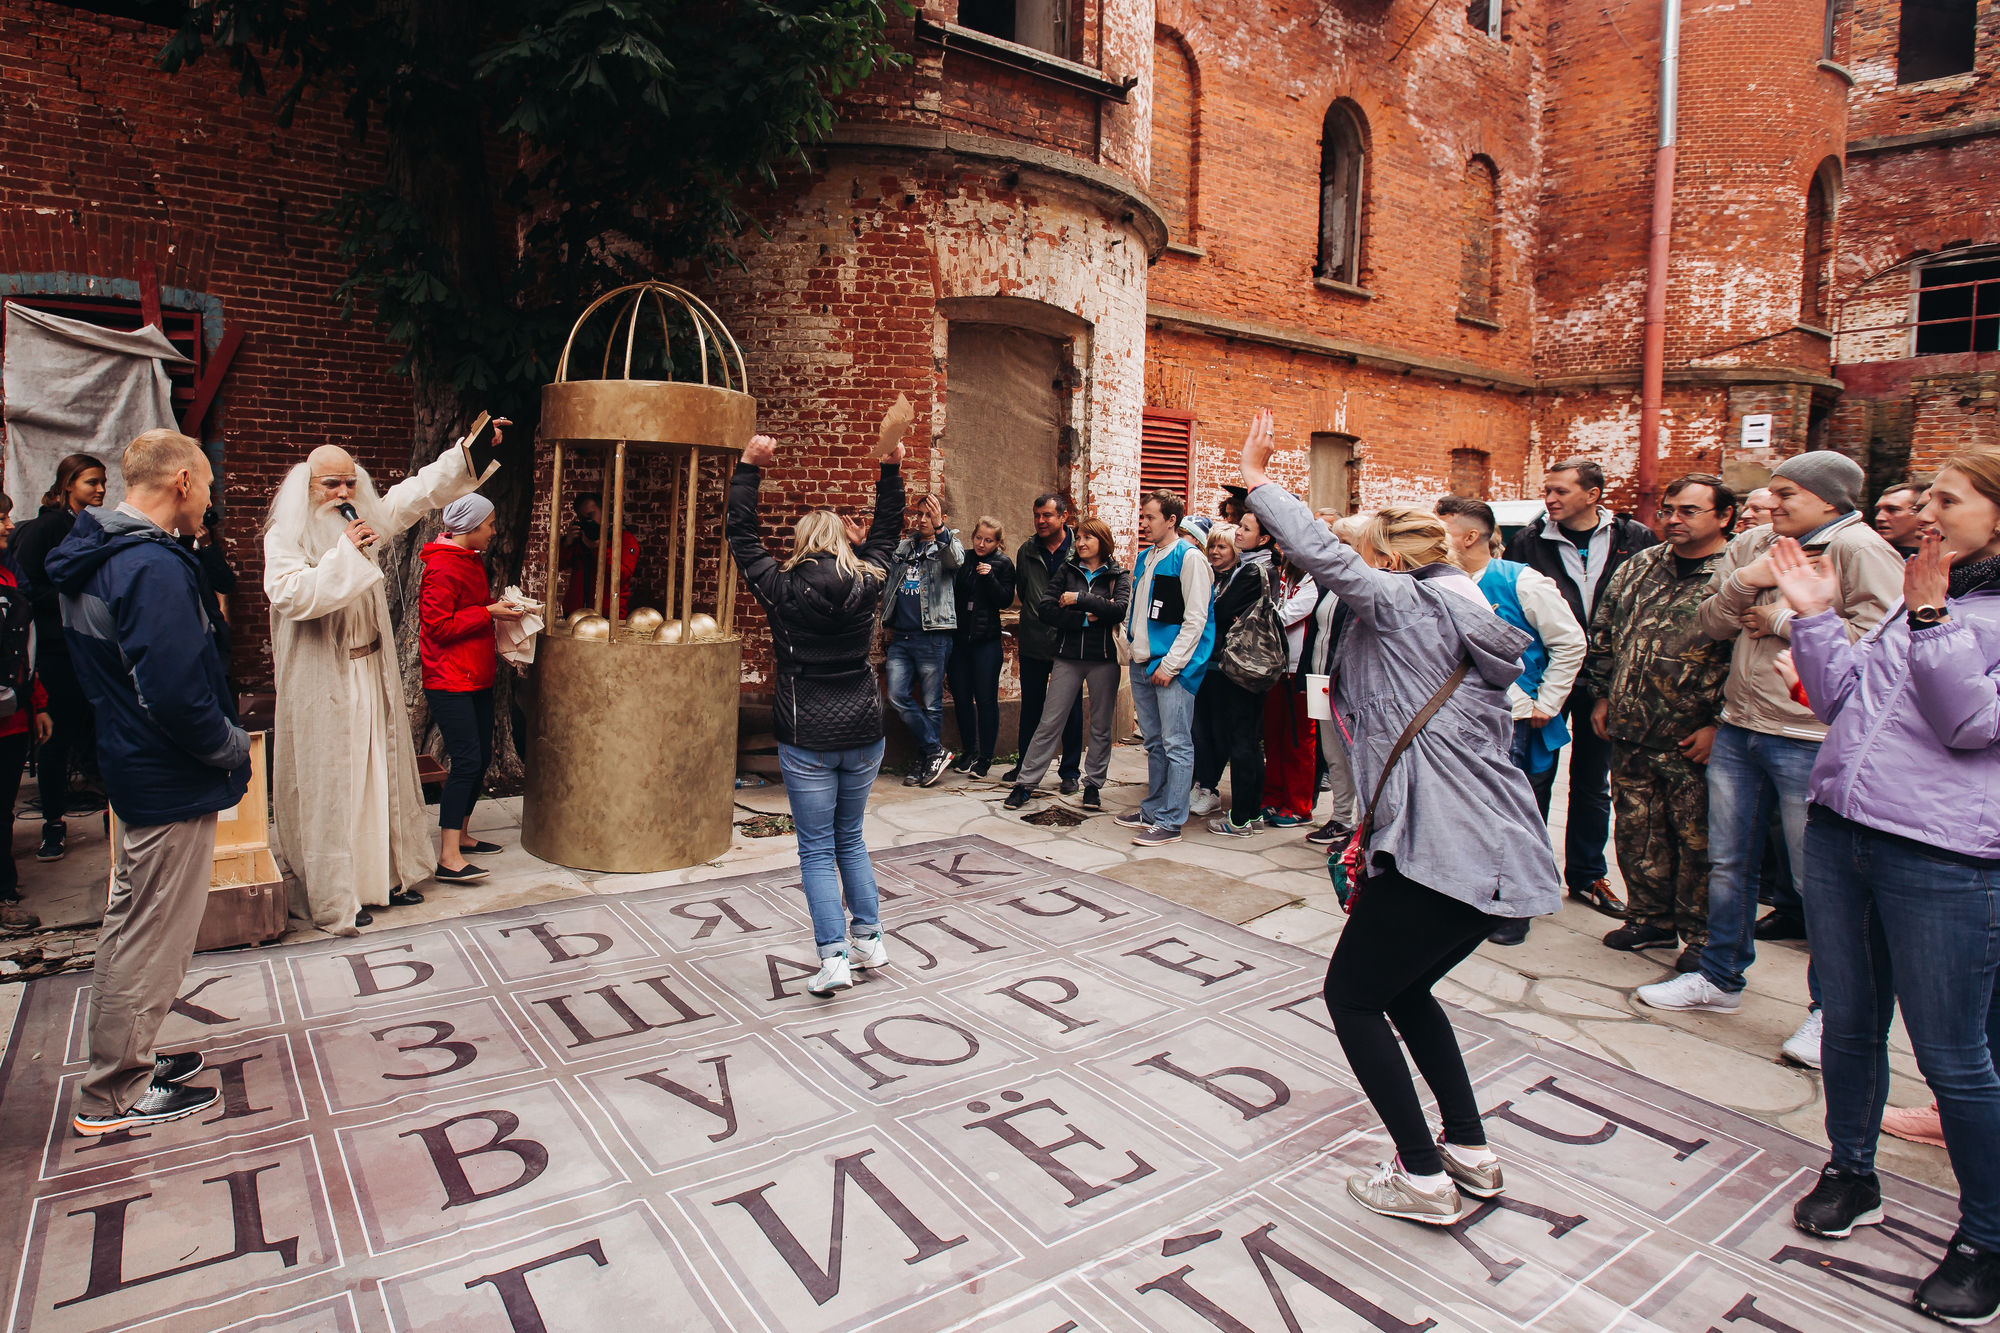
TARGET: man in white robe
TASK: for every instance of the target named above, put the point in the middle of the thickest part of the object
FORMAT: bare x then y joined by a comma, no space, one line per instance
350,823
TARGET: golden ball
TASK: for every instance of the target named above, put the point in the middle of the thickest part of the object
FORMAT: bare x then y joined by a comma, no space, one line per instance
589,625
669,633
644,622
701,625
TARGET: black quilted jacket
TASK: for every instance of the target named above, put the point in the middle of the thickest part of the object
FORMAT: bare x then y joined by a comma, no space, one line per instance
822,621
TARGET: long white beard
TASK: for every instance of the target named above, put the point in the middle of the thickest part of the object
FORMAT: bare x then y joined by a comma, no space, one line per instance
323,530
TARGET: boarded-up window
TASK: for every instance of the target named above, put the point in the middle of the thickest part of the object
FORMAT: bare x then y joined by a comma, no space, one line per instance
1935,39
1484,16
1342,171
1174,136
1331,480
1479,226
1471,473
1818,248
1004,414
1166,450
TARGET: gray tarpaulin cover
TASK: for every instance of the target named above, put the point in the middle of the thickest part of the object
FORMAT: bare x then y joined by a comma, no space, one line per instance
72,387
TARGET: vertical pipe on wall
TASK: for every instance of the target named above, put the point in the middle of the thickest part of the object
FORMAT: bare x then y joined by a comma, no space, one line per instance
1654,355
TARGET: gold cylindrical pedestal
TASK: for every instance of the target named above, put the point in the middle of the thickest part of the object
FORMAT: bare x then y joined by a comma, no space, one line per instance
633,753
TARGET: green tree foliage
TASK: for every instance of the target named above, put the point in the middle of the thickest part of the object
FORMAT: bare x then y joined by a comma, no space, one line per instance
626,133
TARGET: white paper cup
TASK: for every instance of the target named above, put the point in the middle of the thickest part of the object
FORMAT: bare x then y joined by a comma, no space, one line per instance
1319,697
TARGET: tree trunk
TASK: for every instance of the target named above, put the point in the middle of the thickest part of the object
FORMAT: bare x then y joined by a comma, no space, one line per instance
436,149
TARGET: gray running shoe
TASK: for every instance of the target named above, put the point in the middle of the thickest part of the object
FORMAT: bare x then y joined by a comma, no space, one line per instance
1392,1193
1482,1182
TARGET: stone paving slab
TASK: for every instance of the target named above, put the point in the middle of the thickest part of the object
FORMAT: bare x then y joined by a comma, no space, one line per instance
1069,1103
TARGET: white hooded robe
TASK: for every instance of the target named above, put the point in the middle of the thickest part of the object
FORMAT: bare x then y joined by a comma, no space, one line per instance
350,823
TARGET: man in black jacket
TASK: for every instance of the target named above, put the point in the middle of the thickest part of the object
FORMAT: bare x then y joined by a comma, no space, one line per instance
1581,544
1034,565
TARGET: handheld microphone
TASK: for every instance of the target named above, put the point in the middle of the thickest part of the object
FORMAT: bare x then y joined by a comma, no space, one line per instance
346,511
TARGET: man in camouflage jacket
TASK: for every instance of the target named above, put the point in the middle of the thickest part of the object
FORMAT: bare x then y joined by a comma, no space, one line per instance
1658,682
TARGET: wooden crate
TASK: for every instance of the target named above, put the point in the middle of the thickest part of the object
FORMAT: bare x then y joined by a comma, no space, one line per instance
247,902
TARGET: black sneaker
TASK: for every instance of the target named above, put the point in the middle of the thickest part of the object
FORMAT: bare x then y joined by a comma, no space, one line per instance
914,777
1838,1204
1091,800
1639,936
963,764
465,874
174,1070
1018,797
1331,833
1780,925
156,1105
52,843
1509,932
1690,959
1965,1289
979,769
934,769
1012,775
1069,786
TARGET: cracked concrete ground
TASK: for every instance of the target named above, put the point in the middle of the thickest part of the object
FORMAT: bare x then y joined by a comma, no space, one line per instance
1562,984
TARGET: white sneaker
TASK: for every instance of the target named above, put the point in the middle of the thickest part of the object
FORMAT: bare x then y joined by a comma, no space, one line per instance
1691,990
869,951
834,974
1204,801
1802,1047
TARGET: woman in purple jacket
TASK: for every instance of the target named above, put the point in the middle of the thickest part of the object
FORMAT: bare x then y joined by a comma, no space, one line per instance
1903,867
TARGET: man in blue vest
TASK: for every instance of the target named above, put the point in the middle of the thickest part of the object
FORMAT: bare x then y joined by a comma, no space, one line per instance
1534,602
1171,636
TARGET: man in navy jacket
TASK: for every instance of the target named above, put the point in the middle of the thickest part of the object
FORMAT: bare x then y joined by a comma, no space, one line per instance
172,757
1580,545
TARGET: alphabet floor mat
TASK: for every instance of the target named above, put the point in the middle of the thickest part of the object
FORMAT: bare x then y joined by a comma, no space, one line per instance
1066,1105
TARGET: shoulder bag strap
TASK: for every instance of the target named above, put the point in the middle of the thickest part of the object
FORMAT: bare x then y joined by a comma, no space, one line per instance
1417,723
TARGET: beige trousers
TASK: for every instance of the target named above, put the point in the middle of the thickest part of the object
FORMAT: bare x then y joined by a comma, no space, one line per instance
159,891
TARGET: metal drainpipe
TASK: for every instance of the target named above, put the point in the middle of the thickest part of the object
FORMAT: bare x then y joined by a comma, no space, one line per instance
1654,355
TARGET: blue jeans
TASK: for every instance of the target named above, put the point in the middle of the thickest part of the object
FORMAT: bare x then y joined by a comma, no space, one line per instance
1166,720
974,673
1746,771
916,661
828,792
1890,923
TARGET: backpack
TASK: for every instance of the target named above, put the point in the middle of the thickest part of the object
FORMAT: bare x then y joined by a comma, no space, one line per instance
1254,654
17,622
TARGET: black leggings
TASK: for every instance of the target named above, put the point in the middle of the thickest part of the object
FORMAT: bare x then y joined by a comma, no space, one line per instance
1229,731
1399,940
69,709
466,721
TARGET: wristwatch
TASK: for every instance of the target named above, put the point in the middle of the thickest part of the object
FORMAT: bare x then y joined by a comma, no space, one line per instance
1924,617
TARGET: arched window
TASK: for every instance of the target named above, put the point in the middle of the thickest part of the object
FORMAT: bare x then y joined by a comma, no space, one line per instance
1175,131
1343,164
1479,242
1818,255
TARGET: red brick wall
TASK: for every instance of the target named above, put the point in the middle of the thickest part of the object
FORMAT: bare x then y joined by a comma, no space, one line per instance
1757,117
1175,136
110,162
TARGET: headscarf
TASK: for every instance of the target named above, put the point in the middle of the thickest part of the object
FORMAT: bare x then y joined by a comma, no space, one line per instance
466,513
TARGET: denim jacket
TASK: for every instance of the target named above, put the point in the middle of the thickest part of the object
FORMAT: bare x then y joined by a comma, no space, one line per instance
937,564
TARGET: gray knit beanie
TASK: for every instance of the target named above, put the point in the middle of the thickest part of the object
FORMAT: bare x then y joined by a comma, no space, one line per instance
1834,478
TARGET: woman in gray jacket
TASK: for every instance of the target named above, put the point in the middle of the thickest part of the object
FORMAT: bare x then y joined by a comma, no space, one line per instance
1425,905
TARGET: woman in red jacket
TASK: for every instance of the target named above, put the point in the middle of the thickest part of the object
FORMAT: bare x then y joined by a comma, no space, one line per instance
17,668
455,639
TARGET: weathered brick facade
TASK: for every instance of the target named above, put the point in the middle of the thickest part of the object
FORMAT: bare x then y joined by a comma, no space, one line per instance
108,163
1137,222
